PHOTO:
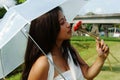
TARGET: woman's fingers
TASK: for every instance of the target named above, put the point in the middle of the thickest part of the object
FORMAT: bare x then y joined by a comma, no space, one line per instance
106,51
98,47
98,42
102,48
102,44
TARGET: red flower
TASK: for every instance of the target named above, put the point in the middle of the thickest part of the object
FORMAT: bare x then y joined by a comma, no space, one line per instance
78,24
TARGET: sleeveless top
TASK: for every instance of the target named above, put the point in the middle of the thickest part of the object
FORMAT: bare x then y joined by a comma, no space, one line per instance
74,73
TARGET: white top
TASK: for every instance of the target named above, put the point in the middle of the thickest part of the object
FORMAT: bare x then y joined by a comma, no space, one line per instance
74,73
66,74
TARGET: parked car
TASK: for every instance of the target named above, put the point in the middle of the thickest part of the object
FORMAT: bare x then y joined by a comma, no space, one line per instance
116,34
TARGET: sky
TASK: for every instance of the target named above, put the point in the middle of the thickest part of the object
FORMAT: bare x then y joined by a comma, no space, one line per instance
101,7
96,6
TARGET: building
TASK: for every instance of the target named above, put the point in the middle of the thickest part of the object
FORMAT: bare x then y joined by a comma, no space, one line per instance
104,21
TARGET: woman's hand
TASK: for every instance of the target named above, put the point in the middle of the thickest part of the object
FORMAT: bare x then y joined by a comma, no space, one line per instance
102,48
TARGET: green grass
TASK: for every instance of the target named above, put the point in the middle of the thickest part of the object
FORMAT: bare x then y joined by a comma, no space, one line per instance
106,74
16,76
86,48
88,53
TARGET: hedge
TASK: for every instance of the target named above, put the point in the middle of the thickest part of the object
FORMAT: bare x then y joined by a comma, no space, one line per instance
86,38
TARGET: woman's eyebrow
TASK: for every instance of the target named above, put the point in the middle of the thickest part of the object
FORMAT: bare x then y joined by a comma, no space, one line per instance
62,18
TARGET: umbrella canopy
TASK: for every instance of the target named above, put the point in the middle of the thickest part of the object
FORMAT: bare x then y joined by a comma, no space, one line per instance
12,40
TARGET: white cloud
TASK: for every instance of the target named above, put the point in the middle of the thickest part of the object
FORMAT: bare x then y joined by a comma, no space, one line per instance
98,10
94,10
101,7
8,3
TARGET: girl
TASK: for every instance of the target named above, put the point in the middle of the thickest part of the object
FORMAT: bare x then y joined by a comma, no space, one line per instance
52,33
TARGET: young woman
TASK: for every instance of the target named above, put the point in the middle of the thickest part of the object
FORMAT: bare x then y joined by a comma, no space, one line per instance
52,33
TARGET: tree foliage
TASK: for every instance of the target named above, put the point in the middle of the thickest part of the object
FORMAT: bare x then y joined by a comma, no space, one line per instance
20,1
2,12
90,13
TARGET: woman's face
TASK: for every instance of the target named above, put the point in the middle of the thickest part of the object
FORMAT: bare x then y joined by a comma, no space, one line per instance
65,29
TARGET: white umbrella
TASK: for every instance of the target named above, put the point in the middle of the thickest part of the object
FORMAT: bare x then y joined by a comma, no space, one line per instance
12,40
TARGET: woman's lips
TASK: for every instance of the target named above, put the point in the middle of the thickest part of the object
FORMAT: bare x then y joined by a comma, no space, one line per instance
69,31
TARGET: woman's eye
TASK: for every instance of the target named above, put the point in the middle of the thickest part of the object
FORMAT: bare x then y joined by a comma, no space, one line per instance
61,23
63,20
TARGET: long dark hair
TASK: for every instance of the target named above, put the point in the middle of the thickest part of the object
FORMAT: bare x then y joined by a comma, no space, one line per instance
44,30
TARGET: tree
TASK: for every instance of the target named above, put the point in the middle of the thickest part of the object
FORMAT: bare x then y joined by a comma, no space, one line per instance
20,1
2,12
89,27
95,30
90,13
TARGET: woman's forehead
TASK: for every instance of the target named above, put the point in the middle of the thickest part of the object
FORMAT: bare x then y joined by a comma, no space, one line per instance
61,15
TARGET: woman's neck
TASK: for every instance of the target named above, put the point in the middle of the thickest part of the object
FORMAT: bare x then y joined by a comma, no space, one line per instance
57,50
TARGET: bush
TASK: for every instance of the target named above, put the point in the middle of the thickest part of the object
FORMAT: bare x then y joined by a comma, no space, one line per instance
86,38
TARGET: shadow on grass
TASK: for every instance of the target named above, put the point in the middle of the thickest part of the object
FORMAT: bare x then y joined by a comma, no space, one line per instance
114,68
84,46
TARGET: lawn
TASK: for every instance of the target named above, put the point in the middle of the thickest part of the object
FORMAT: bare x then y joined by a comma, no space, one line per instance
87,51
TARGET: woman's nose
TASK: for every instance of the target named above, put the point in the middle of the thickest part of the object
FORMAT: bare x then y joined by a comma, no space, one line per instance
68,24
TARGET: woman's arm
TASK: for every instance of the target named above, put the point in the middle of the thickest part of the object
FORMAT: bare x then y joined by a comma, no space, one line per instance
39,70
92,71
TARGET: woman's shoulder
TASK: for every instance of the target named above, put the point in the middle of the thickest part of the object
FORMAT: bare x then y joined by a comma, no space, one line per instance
42,62
40,68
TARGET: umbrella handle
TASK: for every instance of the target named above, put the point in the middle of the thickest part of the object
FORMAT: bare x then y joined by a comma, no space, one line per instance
55,66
